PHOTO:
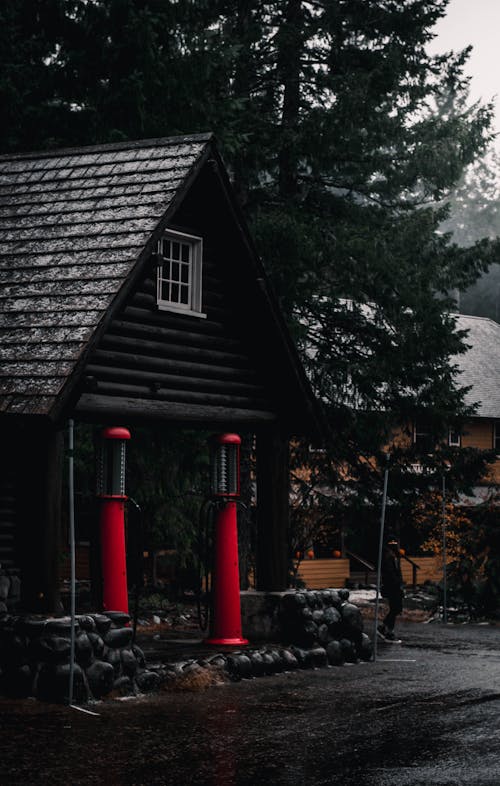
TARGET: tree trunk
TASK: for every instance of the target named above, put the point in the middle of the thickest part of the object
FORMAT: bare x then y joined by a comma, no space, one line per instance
290,42
241,87
273,484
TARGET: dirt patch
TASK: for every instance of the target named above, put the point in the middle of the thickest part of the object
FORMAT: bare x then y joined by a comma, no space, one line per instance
196,681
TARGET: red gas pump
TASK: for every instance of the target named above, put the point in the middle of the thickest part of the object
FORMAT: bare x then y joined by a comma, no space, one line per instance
111,492
225,480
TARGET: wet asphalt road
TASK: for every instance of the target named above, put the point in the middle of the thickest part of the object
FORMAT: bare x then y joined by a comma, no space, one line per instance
428,712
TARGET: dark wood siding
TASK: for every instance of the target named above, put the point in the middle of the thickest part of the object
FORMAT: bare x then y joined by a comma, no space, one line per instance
8,518
170,357
234,368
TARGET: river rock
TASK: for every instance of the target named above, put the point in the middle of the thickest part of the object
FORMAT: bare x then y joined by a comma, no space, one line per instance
147,681
100,676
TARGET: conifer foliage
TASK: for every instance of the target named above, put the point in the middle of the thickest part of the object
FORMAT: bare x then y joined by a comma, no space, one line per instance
344,138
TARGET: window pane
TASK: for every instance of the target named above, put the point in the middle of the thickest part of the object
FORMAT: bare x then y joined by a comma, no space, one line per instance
180,274
166,248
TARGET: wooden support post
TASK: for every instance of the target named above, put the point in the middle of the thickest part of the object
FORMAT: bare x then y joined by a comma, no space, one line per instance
273,516
39,454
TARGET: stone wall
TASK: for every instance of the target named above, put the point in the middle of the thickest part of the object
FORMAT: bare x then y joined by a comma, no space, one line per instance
10,590
313,628
35,657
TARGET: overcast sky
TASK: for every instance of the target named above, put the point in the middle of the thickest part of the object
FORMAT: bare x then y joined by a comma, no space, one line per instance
475,22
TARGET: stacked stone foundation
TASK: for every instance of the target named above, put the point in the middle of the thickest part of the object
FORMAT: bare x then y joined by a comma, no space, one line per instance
35,658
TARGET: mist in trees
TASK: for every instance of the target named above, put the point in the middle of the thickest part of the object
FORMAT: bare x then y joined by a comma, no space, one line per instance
474,215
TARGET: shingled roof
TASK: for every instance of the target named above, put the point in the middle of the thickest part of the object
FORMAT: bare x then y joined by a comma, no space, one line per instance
480,365
72,226
78,228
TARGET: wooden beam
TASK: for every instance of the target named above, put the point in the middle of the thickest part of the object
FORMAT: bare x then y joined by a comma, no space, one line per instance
133,390
273,517
137,409
177,381
135,360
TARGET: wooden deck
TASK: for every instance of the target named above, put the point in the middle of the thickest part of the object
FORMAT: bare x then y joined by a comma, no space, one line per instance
430,569
321,573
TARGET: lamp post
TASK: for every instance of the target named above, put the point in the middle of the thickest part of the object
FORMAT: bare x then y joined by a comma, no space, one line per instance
443,494
380,549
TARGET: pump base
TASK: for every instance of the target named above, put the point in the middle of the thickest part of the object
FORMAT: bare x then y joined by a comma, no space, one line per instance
226,642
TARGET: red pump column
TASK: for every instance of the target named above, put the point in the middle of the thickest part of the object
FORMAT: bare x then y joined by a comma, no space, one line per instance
226,622
111,491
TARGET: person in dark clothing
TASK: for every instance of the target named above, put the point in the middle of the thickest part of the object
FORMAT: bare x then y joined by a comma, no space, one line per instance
392,589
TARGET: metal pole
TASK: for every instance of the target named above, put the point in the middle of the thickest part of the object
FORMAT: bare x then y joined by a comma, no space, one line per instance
445,611
379,562
71,500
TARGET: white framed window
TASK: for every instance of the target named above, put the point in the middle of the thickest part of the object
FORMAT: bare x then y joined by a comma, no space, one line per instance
454,438
178,282
422,437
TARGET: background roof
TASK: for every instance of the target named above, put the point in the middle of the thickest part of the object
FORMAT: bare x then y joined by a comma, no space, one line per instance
480,365
72,225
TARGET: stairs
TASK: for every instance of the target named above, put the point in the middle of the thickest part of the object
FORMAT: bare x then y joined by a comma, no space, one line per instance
363,577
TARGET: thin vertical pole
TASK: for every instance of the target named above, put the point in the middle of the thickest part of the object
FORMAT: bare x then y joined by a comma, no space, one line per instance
445,611
379,562
71,501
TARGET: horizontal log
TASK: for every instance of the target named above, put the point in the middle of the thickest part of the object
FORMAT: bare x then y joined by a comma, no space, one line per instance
145,300
199,339
170,350
148,316
93,405
182,396
165,365
182,382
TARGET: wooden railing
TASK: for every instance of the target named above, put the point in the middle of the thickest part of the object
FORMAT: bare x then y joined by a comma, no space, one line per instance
368,567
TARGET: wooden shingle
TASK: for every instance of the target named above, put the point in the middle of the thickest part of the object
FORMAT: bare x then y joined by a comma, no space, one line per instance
72,226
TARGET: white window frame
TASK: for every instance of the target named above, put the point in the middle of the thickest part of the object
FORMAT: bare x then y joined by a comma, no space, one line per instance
417,432
193,305
454,443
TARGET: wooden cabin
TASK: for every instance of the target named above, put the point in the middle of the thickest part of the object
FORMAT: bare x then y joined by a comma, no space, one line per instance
131,293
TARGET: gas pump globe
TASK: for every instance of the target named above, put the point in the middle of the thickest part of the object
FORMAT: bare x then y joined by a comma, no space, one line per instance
111,492
225,487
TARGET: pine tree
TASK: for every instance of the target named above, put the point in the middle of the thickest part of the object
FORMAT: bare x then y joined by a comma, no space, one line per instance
345,139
